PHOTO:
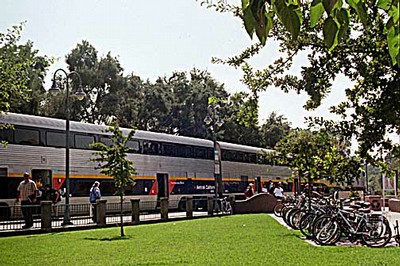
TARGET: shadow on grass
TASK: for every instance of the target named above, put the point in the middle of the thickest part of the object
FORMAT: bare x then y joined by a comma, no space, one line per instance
115,238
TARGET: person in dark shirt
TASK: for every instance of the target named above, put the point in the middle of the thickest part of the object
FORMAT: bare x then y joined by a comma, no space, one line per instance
49,193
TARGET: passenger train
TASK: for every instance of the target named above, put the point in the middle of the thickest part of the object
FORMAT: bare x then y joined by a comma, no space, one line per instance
167,165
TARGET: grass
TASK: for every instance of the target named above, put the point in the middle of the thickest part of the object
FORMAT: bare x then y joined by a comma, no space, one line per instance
231,240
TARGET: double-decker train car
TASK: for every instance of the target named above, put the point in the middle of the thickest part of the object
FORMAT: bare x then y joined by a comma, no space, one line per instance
167,165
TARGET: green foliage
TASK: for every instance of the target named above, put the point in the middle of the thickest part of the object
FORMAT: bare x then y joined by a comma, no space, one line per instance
13,74
16,63
361,55
240,116
103,83
21,74
318,155
258,16
275,128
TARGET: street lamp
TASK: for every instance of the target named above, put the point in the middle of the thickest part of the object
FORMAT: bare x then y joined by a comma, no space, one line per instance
80,94
213,120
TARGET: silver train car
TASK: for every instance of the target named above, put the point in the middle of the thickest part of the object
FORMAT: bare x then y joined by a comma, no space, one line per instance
167,165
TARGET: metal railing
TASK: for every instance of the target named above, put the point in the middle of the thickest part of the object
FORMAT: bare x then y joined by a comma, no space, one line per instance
50,217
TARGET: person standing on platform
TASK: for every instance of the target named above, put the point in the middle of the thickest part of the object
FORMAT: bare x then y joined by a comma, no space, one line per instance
94,195
27,192
278,191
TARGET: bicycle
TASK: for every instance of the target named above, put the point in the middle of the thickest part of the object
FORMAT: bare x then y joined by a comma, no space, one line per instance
223,205
373,230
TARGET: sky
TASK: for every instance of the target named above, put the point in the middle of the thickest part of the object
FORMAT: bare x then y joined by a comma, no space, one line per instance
156,38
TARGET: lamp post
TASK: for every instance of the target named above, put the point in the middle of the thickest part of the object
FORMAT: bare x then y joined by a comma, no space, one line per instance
80,94
213,120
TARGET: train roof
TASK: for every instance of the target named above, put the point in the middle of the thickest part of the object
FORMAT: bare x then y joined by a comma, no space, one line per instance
59,124
243,148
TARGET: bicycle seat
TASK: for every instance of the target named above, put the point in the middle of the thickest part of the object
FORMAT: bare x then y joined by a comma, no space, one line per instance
365,204
364,210
355,206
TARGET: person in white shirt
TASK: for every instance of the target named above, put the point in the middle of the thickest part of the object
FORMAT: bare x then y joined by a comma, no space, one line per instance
27,192
278,191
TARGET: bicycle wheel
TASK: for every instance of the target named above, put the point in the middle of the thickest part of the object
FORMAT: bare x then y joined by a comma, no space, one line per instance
296,217
287,216
306,224
326,231
228,207
376,232
278,209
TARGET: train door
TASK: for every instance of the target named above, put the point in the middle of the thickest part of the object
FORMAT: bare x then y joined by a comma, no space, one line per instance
42,177
4,189
163,191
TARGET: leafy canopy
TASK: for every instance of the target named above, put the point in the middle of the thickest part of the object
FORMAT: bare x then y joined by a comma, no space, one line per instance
333,15
318,155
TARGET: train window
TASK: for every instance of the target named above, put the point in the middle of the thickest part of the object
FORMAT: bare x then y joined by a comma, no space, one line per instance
180,150
151,147
106,141
168,149
134,146
245,157
239,156
55,139
6,135
200,153
81,187
83,141
227,155
253,158
210,154
260,159
184,151
27,136
188,151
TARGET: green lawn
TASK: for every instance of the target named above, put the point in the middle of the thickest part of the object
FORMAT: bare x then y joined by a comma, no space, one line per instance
231,240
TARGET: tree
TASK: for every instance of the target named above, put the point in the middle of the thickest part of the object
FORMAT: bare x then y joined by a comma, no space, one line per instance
102,80
113,162
21,71
274,129
191,102
240,117
331,18
317,155
155,106
370,111
36,72
124,104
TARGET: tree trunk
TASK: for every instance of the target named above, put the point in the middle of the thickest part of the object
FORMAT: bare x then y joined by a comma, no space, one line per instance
121,215
309,191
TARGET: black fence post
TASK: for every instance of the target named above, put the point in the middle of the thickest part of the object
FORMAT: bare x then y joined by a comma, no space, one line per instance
45,210
135,211
164,208
189,207
101,212
210,205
